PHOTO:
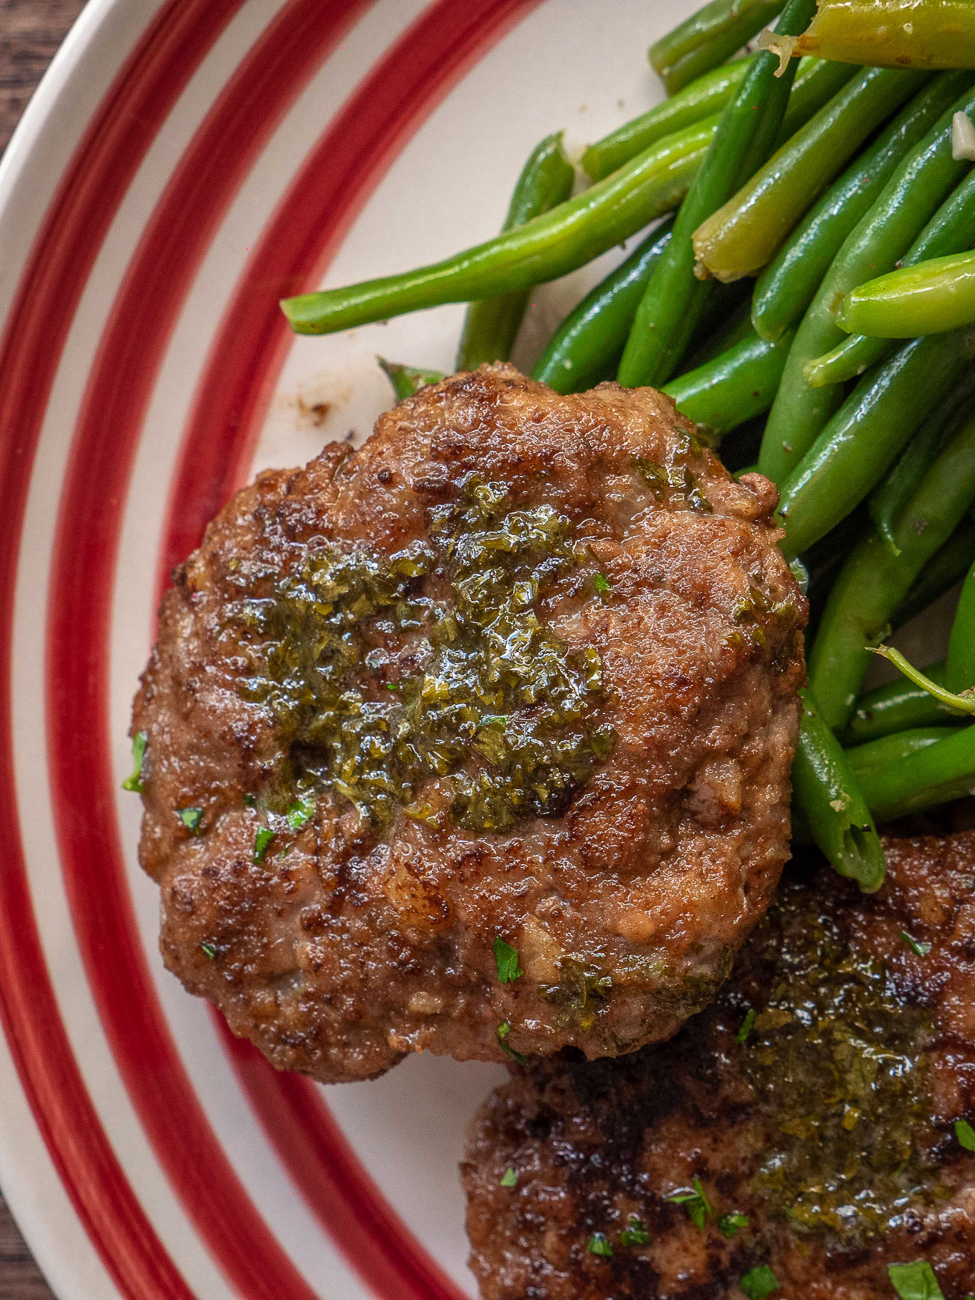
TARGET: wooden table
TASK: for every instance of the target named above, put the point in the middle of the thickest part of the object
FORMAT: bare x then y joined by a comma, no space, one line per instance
30,32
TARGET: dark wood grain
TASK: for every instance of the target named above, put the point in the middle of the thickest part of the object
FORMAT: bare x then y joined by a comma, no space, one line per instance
30,33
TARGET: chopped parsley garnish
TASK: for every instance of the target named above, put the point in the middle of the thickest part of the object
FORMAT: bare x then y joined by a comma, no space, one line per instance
300,812
250,800
730,1224
695,1203
504,1029
746,1026
916,946
759,1282
191,818
134,782
915,1281
509,1178
394,686
506,957
635,1232
965,1134
262,842
601,583
210,949
599,1245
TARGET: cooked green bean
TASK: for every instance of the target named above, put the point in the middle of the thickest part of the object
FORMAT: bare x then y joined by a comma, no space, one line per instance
789,283
587,346
829,800
922,778
702,98
549,246
407,380
734,387
675,297
948,565
960,665
950,230
867,434
896,33
930,298
906,204
490,325
743,235
874,580
893,749
891,495
708,37
899,706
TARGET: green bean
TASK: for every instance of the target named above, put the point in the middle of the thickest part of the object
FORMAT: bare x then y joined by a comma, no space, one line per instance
890,496
867,434
742,236
828,798
548,246
874,581
587,346
893,749
948,565
703,98
907,202
675,297
933,34
407,380
734,387
789,283
960,666
898,706
491,325
930,298
922,778
707,38
950,230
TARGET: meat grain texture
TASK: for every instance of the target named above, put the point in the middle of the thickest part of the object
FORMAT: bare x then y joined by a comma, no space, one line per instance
570,639
815,1101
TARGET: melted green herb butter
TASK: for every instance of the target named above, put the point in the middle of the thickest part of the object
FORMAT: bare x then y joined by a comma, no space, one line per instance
839,1059
487,695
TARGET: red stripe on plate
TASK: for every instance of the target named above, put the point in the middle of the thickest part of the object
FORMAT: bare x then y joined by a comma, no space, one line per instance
196,198
102,167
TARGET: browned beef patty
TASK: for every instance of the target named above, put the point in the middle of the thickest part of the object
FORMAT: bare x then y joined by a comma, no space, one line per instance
520,673
816,1099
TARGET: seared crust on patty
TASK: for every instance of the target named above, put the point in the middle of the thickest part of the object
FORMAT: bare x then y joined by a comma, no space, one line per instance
606,790
816,1097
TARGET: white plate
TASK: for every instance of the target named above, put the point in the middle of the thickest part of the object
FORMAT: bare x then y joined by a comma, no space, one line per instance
183,165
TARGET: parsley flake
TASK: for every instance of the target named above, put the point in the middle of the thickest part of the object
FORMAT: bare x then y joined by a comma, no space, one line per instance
915,1281
503,1030
262,842
635,1232
250,800
916,946
601,583
695,1203
746,1026
506,957
729,1224
191,818
134,782
509,1178
965,1134
599,1245
210,949
300,812
759,1282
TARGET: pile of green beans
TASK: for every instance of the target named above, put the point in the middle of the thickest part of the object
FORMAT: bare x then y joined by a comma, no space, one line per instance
812,294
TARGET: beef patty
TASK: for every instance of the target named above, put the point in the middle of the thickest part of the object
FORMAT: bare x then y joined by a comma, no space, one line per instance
476,739
800,1132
